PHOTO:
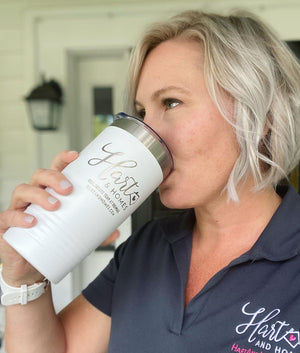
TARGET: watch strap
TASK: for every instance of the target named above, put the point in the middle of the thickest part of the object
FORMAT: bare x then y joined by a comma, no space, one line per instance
21,295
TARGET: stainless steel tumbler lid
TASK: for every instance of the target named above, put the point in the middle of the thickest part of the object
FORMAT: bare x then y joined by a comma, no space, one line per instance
148,137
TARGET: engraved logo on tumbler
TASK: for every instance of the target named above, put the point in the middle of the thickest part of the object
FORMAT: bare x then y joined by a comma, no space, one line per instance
116,179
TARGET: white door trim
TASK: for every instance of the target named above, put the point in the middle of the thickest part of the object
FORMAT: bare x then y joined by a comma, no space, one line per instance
71,86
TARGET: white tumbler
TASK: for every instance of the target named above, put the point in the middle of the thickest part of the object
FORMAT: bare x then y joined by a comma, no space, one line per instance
112,176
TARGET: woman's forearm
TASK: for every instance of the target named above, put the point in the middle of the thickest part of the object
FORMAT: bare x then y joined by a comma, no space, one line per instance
34,327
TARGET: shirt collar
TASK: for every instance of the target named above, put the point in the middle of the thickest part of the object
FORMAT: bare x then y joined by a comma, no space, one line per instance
178,226
281,238
279,241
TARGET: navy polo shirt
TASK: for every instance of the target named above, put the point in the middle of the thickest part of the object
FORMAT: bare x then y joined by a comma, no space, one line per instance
250,306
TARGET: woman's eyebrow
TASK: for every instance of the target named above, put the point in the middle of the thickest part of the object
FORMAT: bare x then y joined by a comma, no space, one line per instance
163,91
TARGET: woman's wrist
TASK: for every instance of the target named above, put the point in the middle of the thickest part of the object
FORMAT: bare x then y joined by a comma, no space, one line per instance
12,295
14,279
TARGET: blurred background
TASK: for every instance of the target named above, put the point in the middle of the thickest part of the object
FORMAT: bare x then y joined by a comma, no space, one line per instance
65,61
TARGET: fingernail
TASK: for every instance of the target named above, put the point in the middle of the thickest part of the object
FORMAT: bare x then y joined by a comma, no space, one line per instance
64,184
52,200
29,219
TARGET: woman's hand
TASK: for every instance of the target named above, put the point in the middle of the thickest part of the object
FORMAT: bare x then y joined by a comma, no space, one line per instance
16,270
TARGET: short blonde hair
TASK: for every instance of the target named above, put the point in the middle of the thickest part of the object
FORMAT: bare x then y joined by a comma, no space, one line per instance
246,59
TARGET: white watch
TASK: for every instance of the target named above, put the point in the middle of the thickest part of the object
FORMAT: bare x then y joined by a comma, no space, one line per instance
21,295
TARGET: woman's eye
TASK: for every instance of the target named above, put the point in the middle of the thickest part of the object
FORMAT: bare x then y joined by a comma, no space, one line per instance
140,113
171,103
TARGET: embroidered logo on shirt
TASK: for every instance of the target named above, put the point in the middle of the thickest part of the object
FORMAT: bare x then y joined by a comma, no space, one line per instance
264,330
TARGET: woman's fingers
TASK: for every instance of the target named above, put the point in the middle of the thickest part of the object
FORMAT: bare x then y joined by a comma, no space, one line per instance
64,158
51,178
12,218
111,238
36,192
25,194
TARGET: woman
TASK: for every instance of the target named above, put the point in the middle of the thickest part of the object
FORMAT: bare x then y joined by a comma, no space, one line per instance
223,92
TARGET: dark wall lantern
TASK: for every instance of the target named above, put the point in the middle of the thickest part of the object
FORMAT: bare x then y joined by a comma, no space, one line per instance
44,105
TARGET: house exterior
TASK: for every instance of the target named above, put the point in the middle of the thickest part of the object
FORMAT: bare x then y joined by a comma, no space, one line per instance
67,40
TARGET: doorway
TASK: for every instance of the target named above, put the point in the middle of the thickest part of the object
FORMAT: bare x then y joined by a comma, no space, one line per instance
97,82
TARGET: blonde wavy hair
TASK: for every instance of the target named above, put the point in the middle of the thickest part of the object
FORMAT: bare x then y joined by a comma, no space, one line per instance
246,59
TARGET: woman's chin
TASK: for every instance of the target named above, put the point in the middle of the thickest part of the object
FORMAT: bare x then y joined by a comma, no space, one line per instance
169,193
169,199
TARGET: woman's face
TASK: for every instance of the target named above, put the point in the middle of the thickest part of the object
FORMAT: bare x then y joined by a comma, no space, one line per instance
172,98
